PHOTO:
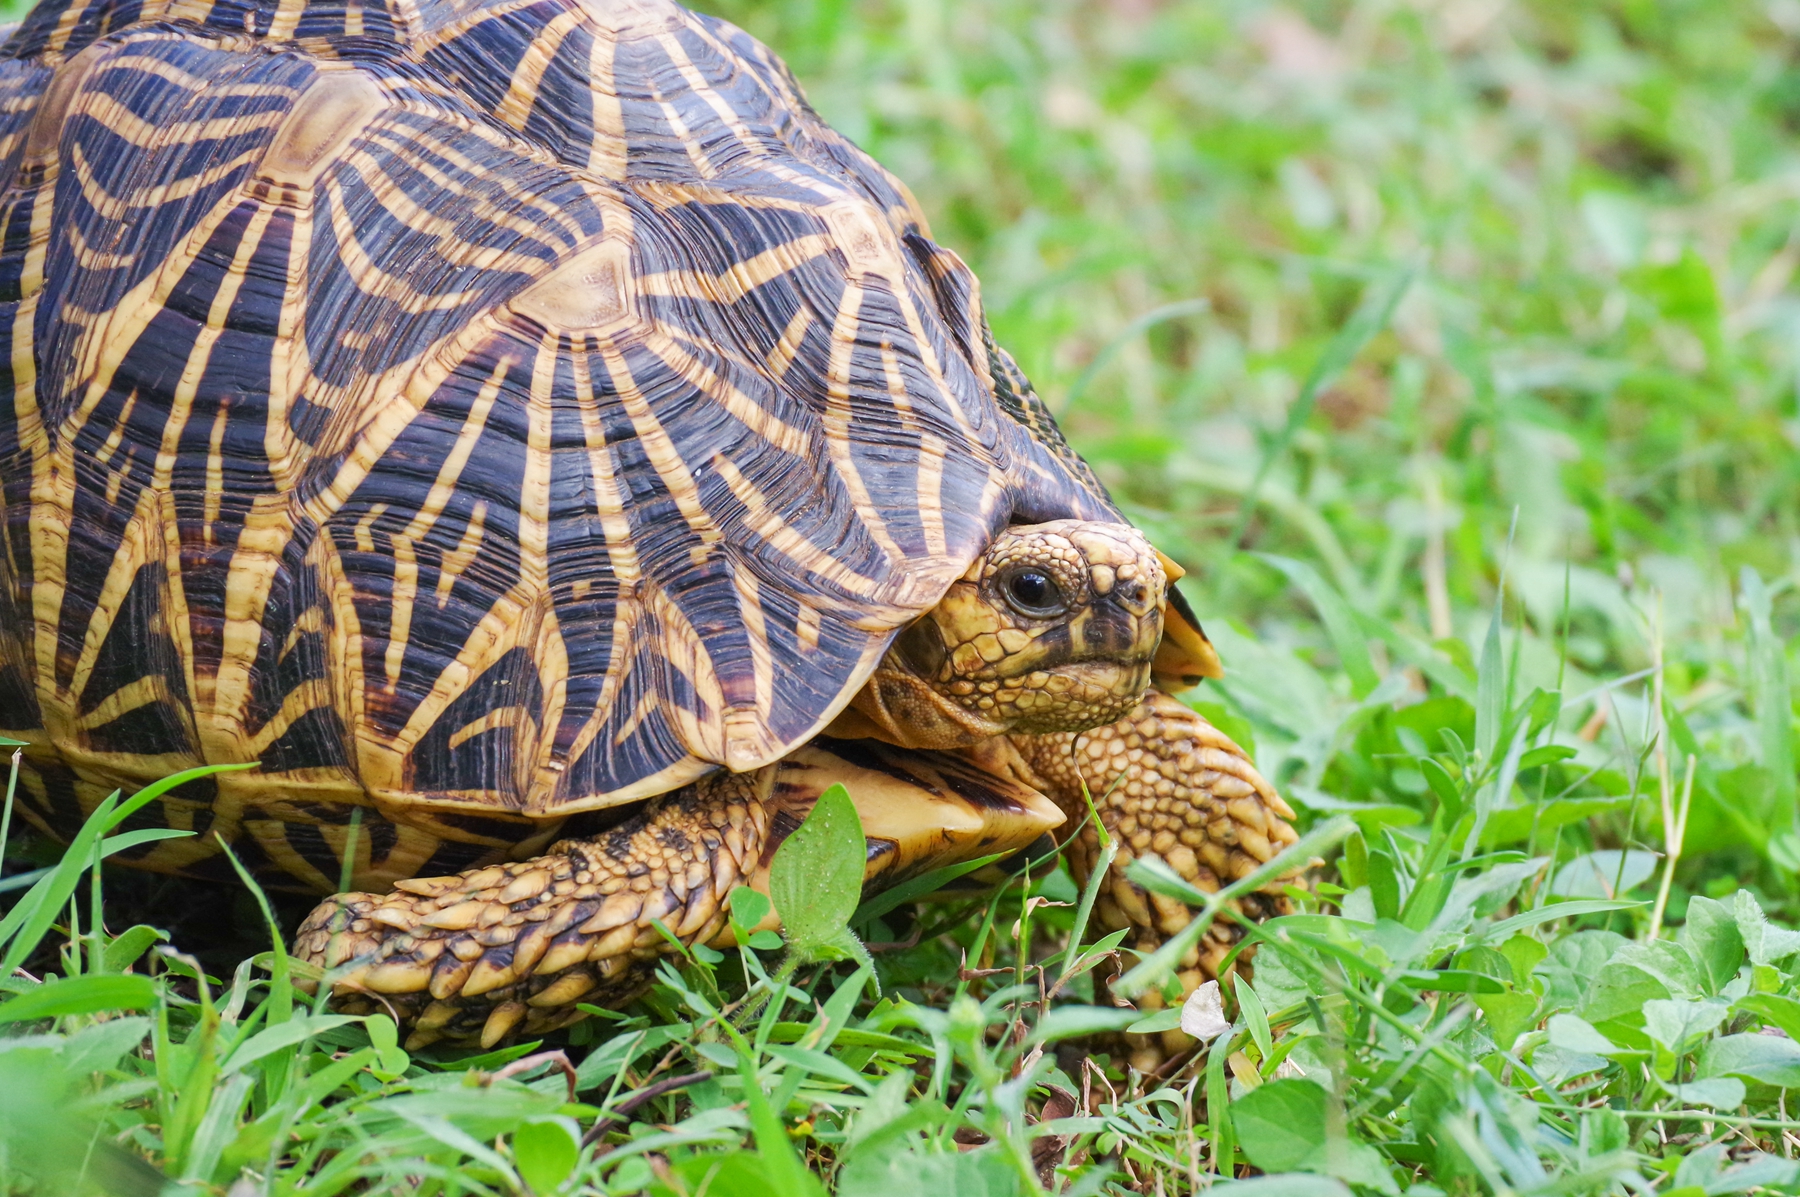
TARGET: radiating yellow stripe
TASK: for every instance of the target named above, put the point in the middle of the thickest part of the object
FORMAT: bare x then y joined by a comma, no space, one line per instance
181,403
521,94
768,524
837,420
370,278
741,278
607,152
743,408
112,208
781,357
664,457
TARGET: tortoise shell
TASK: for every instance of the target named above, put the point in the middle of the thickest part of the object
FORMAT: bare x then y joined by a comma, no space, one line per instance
515,408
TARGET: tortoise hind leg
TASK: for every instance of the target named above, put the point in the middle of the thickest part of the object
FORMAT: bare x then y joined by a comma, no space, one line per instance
1166,783
512,948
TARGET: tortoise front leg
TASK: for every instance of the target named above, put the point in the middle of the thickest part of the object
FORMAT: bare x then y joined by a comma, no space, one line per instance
510,949
514,947
1166,783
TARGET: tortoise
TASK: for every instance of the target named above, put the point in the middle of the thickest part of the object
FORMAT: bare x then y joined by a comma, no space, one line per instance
494,421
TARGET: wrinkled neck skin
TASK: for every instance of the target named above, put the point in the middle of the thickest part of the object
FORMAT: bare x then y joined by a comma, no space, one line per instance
977,667
898,706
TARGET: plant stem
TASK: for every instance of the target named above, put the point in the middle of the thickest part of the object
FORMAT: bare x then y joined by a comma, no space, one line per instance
1674,832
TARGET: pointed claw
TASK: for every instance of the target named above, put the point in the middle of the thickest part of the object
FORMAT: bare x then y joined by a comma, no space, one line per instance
487,977
563,953
563,991
448,978
459,917
618,909
398,976
529,948
504,1018
436,1015
526,885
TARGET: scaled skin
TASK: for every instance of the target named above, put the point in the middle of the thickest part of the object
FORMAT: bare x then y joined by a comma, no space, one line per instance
1034,668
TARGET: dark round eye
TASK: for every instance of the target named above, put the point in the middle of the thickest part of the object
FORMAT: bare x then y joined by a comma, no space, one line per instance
1032,592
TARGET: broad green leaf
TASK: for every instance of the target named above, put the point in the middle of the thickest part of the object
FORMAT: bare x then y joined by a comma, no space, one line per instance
1766,944
1716,1093
1671,964
80,995
1706,1170
546,1152
1283,1126
132,943
1679,1025
748,909
816,877
1768,1059
1774,1009
100,1045
384,1037
1578,1035
1607,873
1620,992
1573,963
1509,1015
1711,934
1523,954
731,1174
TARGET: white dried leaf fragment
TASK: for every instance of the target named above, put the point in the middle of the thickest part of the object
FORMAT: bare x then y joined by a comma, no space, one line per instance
1203,1014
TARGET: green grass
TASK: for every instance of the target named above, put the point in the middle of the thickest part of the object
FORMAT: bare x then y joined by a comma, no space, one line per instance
1451,347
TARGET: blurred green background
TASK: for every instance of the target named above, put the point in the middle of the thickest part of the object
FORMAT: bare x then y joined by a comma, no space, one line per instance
1559,239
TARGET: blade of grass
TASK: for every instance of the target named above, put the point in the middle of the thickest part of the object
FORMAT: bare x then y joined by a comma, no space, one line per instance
1371,316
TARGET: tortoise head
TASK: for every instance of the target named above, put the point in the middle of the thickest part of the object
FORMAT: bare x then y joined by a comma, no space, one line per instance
1058,627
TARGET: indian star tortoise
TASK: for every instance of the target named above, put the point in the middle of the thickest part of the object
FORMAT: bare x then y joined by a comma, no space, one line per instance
494,420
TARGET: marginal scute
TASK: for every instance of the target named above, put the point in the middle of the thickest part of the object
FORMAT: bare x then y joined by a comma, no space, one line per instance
337,106
590,293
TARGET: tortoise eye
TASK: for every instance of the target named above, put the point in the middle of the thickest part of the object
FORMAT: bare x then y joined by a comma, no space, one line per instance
1032,592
